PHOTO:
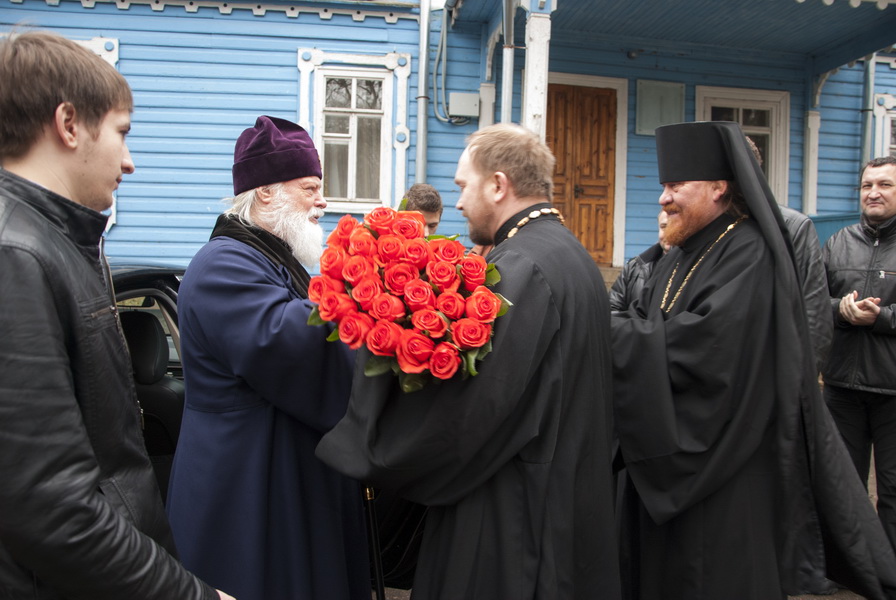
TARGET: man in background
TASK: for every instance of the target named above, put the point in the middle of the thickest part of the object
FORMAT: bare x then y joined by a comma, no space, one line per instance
251,507
80,510
636,271
860,376
425,199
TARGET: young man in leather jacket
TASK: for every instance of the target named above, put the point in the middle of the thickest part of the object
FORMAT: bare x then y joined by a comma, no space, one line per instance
80,511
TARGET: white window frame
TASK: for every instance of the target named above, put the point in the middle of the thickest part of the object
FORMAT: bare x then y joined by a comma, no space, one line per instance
885,120
778,105
393,69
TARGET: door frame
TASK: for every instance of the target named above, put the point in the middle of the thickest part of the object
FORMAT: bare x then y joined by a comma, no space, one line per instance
621,88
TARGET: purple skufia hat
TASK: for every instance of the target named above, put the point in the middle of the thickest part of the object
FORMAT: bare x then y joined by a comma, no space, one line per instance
273,151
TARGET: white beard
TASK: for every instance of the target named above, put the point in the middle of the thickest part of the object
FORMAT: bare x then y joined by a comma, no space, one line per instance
293,226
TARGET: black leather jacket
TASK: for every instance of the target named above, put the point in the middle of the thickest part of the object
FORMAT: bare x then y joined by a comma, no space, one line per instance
80,511
631,279
863,258
814,284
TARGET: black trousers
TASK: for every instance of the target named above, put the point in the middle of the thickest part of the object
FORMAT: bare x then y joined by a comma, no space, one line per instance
867,420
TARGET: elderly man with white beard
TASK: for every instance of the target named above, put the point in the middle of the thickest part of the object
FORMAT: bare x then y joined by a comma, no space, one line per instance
253,511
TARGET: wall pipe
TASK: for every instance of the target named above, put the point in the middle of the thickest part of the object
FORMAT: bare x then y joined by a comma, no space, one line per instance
868,109
422,98
507,64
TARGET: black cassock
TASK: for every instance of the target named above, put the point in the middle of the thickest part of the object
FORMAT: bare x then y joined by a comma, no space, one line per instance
514,463
737,485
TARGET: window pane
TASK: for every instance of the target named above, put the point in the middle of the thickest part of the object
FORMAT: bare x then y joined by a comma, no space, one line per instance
370,94
723,113
368,159
336,123
339,92
335,170
893,137
762,143
755,118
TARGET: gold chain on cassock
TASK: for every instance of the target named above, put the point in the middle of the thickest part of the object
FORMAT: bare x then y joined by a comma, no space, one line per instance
691,272
534,215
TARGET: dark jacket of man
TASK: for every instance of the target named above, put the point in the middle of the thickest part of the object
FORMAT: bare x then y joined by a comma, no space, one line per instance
814,283
862,257
80,510
631,279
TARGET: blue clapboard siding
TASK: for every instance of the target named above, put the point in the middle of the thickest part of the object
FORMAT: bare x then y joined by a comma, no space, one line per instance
840,143
199,79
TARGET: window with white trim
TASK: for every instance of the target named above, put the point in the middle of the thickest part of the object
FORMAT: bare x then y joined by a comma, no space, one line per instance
356,107
893,134
764,116
354,133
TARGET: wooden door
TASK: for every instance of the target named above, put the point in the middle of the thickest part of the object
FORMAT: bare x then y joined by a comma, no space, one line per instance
581,131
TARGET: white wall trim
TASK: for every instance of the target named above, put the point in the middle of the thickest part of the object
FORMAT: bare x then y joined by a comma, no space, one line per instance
621,88
225,8
810,162
538,39
884,115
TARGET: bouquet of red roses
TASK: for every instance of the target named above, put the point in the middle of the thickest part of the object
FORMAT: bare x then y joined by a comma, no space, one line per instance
421,305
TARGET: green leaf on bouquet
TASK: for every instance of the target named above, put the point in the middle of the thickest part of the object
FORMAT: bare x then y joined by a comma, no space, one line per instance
314,317
505,304
470,362
491,275
378,365
334,335
412,382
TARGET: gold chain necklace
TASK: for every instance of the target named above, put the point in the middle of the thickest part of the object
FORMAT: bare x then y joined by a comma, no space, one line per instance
532,216
691,272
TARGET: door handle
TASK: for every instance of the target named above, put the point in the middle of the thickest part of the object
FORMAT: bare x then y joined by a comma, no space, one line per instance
577,189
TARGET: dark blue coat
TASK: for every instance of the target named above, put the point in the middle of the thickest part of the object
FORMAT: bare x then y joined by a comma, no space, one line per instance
253,511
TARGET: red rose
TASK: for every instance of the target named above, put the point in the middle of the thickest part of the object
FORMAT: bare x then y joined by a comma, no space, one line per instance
388,307
332,261
323,283
356,268
472,269
451,304
445,361
384,337
448,250
418,253
483,305
429,322
335,305
398,275
443,275
413,351
380,219
390,248
339,236
368,288
361,242
353,329
408,224
418,295
469,333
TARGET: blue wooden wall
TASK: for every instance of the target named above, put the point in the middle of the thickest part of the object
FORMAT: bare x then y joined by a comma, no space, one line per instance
200,78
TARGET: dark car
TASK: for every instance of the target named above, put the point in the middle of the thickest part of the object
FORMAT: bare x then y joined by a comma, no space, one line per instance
146,298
